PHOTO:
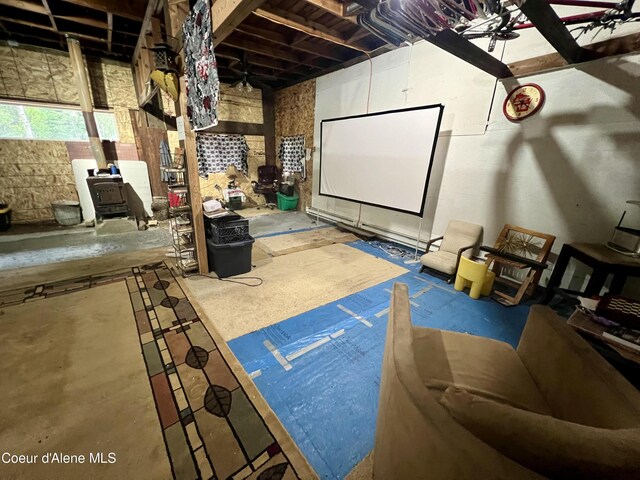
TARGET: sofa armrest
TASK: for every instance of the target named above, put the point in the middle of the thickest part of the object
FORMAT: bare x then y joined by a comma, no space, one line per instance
577,383
430,242
547,445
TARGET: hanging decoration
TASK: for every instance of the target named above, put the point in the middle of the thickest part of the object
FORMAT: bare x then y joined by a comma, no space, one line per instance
523,101
292,153
202,82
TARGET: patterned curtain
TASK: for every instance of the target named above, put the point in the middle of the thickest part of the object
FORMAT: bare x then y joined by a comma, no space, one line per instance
202,83
292,153
216,152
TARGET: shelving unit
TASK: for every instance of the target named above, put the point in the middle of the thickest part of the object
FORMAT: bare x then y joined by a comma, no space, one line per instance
181,222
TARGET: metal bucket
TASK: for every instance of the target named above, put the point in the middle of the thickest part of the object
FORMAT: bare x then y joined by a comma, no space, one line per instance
67,212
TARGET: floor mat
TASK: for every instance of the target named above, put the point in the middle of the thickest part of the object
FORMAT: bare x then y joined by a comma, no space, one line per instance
144,369
293,284
297,242
325,363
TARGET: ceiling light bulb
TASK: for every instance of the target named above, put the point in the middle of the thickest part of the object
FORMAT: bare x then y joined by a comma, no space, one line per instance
239,87
249,88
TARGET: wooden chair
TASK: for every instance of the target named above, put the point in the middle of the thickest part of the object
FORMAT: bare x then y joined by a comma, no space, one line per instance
518,249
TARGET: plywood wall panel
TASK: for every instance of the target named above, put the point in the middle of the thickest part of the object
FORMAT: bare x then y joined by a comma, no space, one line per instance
120,89
9,73
32,175
66,90
295,109
240,107
34,66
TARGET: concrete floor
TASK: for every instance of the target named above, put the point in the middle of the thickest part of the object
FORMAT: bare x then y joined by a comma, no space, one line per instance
31,245
284,222
26,246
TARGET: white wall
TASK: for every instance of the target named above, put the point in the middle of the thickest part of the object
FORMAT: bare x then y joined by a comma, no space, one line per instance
566,171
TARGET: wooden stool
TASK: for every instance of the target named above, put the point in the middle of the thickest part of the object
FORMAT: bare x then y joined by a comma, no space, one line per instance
476,276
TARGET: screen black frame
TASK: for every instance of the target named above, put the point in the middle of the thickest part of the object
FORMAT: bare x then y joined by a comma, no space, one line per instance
386,112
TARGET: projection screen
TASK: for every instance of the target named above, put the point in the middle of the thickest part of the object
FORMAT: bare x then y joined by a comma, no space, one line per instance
381,159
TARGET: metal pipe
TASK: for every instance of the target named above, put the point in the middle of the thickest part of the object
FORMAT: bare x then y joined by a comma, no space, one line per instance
79,72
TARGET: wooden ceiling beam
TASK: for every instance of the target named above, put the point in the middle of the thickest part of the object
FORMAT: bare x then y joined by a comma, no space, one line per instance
269,51
462,48
133,9
51,29
230,53
22,5
226,15
45,4
109,30
309,27
333,7
146,26
288,41
545,19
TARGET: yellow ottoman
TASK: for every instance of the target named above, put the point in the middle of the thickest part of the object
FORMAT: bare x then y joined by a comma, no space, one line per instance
476,276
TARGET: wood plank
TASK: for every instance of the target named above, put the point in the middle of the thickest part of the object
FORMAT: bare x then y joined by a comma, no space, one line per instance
148,142
269,121
332,6
45,4
195,197
22,5
288,41
613,46
542,15
230,53
462,48
263,49
309,27
226,15
240,128
109,30
146,26
133,9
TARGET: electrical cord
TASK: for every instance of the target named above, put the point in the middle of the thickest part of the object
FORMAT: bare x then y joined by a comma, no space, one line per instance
235,280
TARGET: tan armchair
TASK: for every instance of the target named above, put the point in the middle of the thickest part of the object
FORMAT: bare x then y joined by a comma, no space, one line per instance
460,239
458,406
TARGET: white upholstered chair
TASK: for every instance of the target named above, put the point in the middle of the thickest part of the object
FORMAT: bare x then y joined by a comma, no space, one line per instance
460,239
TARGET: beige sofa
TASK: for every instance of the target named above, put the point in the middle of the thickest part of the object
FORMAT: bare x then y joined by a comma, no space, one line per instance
458,406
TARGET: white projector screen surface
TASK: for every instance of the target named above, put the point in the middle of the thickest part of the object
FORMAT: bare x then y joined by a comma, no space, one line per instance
381,159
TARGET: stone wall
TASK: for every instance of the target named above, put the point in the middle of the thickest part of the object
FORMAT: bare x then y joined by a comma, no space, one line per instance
295,108
34,173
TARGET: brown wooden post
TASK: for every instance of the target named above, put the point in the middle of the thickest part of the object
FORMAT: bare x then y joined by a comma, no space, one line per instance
79,72
269,121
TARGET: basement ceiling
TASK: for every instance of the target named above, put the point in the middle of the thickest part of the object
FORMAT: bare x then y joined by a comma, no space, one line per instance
105,28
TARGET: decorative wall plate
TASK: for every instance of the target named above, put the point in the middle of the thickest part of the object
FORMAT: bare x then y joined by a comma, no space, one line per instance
523,101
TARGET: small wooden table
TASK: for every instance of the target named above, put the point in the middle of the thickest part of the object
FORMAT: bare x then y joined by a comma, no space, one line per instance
584,325
603,260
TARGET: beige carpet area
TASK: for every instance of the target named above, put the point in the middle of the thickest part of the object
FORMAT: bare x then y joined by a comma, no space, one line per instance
292,284
296,242
73,381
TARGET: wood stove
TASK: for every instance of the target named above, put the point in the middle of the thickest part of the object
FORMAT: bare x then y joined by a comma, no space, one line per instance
109,197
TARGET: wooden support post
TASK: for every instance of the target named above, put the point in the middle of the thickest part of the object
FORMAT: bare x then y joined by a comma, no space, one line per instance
77,64
195,197
269,121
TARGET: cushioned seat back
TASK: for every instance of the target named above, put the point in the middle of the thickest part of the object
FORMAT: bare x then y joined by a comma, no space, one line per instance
577,383
267,174
415,436
461,234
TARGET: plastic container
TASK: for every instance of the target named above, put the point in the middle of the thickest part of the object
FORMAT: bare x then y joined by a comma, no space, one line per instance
230,231
286,202
67,212
5,217
230,259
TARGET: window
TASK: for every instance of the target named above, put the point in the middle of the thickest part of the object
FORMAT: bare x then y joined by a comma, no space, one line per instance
37,122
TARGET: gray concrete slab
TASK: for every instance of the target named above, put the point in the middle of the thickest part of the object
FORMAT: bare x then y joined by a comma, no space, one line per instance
284,222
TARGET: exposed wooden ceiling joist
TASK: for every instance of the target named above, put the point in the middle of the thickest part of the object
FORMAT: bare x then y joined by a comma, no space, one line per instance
133,9
263,48
45,4
146,26
309,27
542,15
226,15
22,5
462,48
109,30
332,6
289,41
